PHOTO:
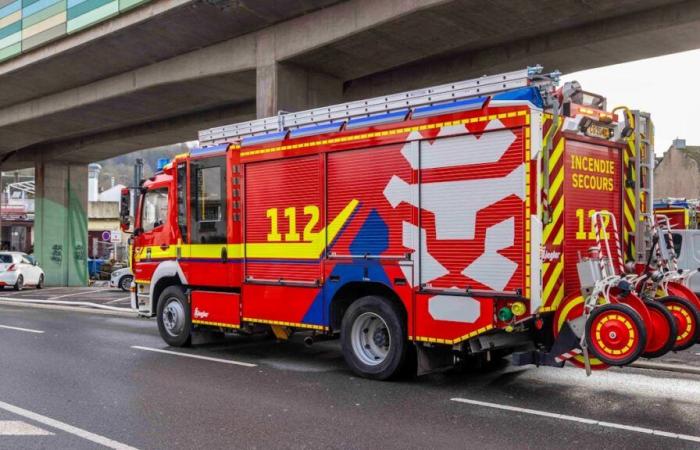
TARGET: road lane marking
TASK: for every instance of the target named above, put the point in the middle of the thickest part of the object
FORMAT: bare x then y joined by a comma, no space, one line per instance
73,294
28,330
619,426
117,300
19,428
53,423
206,358
29,301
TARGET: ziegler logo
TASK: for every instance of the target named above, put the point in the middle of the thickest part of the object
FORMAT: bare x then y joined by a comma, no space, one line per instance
550,255
198,314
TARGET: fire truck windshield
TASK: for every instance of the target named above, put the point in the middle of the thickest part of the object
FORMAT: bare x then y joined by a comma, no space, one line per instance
155,209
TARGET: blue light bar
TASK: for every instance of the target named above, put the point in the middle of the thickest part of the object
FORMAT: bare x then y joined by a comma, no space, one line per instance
452,107
316,129
263,138
161,163
199,151
377,119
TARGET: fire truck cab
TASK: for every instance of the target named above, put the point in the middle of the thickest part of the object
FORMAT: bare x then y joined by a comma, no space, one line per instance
422,227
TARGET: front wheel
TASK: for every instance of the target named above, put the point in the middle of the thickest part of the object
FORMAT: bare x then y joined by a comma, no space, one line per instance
373,338
174,317
40,284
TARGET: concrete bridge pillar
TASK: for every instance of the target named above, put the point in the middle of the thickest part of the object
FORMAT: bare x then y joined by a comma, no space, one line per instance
288,87
60,212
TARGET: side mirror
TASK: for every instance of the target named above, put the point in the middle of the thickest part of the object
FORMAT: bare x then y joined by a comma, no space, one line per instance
124,201
35,262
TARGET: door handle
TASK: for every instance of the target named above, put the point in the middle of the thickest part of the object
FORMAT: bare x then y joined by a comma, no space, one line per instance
224,254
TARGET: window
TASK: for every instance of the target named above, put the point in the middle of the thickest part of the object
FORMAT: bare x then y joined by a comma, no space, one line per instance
6,259
182,200
24,259
677,243
209,194
155,209
208,207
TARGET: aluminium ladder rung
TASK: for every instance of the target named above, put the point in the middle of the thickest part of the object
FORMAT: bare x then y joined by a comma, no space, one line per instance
421,97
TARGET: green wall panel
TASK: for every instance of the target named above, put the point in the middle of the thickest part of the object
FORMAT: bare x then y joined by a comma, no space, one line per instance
27,24
9,52
44,14
92,16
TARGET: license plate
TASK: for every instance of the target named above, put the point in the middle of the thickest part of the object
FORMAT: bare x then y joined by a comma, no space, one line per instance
598,131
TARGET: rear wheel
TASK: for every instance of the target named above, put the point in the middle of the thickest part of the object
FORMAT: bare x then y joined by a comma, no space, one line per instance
19,284
687,318
373,338
125,282
174,317
665,330
615,334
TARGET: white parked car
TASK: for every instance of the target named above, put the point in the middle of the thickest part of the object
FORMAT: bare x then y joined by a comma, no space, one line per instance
18,270
121,279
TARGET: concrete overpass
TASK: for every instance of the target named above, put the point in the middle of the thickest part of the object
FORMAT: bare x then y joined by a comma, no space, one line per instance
159,73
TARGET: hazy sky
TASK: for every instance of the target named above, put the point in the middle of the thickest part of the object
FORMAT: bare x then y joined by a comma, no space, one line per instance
664,86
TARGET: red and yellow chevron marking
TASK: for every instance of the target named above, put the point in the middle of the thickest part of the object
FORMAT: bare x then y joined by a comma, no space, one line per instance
630,226
553,234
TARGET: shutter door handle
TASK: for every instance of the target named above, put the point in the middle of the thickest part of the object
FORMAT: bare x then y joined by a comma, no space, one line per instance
224,254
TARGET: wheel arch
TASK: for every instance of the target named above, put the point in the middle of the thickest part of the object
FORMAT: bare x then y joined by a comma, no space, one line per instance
354,290
168,273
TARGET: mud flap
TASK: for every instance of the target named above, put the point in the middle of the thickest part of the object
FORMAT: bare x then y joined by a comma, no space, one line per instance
565,347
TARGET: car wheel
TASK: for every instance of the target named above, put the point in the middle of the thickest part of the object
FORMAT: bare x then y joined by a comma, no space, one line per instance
373,338
125,282
40,284
19,284
174,317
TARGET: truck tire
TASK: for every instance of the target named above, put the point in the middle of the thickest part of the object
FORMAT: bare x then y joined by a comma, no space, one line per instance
373,338
174,317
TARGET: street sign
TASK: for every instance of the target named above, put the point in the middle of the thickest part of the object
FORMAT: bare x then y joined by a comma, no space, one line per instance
106,235
116,237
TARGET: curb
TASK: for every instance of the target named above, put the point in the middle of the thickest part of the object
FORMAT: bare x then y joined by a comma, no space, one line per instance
667,367
84,307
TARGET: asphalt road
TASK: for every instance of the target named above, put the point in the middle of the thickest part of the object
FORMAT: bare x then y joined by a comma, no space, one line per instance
98,295
76,380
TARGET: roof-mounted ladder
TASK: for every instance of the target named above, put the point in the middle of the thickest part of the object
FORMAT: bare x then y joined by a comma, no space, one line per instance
438,95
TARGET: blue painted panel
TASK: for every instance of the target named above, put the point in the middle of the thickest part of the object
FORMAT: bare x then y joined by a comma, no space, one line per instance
530,94
372,238
263,138
199,151
36,7
316,129
451,107
11,29
378,119
11,8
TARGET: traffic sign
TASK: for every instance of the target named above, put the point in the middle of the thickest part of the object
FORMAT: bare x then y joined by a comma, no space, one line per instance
116,237
106,235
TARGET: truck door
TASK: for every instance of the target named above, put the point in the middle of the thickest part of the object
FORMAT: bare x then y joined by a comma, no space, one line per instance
208,252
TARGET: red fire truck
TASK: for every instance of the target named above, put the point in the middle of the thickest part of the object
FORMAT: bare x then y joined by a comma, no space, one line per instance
419,228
